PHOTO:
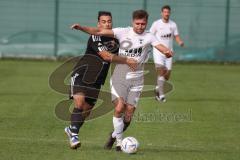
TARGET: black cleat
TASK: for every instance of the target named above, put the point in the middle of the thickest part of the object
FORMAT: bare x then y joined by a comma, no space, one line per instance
110,142
118,149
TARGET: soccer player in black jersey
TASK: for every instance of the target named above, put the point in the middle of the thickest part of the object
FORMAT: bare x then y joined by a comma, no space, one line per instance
89,75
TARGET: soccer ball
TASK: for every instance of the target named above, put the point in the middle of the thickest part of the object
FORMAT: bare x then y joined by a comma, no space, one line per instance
129,145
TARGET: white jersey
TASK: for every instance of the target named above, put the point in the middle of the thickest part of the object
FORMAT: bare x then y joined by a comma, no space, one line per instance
165,32
133,45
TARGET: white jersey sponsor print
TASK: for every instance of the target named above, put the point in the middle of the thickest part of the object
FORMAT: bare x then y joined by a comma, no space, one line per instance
164,32
133,45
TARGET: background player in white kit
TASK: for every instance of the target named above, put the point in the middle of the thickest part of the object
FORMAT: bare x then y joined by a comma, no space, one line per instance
165,30
126,85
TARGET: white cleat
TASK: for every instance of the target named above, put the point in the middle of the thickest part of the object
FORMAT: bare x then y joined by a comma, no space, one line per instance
73,139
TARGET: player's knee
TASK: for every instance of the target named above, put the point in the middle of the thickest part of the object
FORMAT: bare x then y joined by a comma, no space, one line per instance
163,73
79,103
79,100
119,110
119,102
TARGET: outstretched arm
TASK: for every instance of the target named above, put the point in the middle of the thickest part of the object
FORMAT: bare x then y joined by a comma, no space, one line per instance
168,53
101,49
93,30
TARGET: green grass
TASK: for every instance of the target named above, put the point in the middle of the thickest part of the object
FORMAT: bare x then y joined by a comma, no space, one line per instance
208,93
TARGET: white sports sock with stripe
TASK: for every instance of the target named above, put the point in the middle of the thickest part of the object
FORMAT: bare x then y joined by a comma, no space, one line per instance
118,128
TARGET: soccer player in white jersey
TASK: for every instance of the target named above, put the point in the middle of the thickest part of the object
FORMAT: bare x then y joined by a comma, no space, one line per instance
165,30
126,85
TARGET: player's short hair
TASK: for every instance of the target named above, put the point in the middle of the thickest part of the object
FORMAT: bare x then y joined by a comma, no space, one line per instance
104,13
166,7
140,14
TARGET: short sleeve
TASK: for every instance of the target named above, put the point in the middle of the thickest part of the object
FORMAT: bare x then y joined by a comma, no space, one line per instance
96,43
175,32
118,32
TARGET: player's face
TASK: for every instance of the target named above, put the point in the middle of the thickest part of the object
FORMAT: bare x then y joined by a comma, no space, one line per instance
166,14
105,22
139,25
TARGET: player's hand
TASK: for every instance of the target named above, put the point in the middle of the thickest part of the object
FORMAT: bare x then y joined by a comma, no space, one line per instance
181,44
168,53
75,26
132,63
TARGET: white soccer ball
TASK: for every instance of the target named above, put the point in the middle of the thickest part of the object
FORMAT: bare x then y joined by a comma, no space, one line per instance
129,145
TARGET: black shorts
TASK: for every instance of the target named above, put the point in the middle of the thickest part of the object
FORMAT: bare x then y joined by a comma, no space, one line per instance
90,90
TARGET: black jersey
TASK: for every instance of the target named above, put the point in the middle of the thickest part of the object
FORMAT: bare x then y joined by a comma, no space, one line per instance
92,63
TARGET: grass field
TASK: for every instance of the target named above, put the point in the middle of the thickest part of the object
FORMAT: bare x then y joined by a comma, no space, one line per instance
208,94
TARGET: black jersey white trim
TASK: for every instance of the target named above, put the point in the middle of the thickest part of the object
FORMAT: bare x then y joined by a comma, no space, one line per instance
96,38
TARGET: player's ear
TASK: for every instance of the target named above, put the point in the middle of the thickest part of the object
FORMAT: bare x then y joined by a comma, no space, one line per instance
98,24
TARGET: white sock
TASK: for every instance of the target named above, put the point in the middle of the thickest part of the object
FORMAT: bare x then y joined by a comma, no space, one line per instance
160,83
118,127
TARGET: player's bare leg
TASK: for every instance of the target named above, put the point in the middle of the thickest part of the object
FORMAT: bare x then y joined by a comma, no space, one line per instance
128,114
111,140
80,111
118,125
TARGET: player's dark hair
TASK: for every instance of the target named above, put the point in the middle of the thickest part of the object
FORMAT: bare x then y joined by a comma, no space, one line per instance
140,14
166,7
104,13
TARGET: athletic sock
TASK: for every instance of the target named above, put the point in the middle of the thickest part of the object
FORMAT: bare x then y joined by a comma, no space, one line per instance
77,120
160,83
118,127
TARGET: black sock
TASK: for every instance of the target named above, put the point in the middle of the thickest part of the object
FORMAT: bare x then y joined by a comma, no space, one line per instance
126,124
77,120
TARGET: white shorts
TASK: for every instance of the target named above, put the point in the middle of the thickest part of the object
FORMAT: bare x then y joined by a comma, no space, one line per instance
129,90
161,60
